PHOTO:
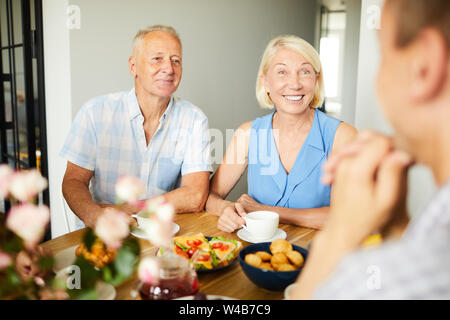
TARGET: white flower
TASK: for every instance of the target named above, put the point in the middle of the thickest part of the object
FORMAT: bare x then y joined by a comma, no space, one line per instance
129,189
6,174
26,185
148,271
5,260
29,222
163,208
154,203
165,212
158,232
112,227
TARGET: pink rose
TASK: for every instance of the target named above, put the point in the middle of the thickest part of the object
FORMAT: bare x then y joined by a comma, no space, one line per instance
165,212
148,271
129,189
29,222
5,260
154,203
6,174
26,185
159,232
112,227
163,208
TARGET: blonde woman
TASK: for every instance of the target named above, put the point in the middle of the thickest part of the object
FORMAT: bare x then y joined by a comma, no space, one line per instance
284,150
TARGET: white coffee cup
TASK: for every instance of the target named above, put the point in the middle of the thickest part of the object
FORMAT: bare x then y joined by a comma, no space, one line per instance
262,225
143,221
142,218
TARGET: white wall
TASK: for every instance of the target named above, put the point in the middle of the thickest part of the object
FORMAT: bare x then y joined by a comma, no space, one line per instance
351,60
58,104
368,113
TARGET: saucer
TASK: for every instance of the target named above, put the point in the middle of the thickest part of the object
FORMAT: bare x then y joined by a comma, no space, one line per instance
246,236
139,233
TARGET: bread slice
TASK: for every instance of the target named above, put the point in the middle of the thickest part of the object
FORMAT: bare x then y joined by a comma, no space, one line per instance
224,250
203,260
187,242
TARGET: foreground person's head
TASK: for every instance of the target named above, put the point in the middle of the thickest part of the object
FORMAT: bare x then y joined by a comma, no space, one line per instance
414,76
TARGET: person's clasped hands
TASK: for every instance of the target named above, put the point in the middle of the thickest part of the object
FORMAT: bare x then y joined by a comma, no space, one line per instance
369,179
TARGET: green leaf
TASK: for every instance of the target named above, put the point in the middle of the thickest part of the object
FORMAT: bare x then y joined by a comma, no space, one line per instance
215,259
89,274
181,247
83,294
107,274
230,256
12,276
133,245
89,239
125,261
46,263
13,244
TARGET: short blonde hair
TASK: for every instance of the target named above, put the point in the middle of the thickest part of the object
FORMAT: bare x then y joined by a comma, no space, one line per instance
158,27
306,50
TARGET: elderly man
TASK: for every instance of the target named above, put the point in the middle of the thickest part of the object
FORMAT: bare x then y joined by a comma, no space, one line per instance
370,177
145,133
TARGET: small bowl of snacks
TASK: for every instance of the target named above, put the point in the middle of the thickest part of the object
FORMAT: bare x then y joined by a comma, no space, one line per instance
272,266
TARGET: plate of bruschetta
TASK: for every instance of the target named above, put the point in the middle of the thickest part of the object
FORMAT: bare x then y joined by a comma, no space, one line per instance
207,254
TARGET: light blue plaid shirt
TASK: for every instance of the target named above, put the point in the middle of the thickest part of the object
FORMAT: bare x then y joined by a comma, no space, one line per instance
107,136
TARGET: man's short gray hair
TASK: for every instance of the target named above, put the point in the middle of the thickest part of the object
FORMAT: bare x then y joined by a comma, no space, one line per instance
158,27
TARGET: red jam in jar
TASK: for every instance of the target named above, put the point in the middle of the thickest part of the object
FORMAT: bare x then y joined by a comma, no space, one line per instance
177,279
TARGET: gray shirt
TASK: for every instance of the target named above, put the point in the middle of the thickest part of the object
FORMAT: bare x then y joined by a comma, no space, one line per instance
415,267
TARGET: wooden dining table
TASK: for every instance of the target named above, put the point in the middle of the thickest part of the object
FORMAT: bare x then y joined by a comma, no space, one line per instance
230,282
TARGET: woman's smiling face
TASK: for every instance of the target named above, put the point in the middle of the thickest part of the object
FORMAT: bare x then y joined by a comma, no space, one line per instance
290,81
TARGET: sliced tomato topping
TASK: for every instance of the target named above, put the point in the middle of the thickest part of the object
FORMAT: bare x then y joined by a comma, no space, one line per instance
191,251
203,257
217,245
194,243
225,247
180,252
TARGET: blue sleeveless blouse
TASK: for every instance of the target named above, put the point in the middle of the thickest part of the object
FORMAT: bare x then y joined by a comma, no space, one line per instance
268,182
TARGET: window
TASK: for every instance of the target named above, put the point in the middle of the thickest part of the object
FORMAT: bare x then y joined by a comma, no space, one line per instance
22,105
332,44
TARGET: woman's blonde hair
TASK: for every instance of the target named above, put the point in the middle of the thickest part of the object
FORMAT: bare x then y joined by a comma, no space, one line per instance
306,50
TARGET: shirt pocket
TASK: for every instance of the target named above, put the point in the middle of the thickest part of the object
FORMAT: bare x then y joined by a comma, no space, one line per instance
169,173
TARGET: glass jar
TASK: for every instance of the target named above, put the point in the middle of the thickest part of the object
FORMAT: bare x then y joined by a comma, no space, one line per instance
177,279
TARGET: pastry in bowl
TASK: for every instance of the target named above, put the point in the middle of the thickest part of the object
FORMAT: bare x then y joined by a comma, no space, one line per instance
272,270
282,257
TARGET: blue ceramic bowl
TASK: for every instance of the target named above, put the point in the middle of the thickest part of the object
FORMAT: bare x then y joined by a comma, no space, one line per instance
267,279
